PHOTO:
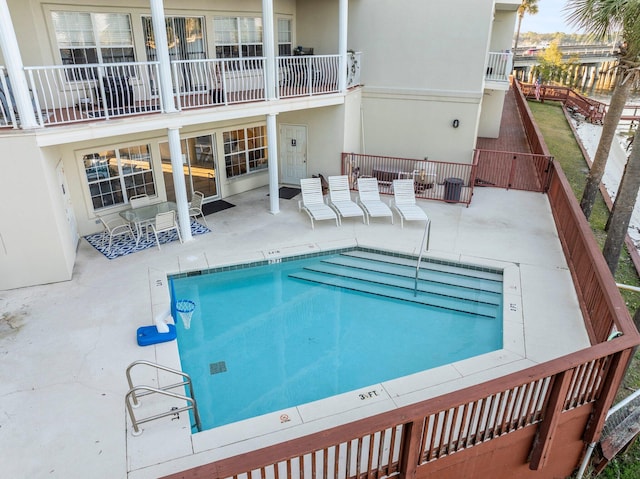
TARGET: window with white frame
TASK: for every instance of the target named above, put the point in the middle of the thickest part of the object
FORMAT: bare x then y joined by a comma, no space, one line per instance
85,38
285,37
245,150
238,37
115,175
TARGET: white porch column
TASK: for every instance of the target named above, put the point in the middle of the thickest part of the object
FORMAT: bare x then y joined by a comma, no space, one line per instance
15,68
343,29
272,150
162,52
268,44
178,183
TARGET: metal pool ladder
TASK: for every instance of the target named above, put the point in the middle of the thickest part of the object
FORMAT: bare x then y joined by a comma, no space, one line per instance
424,246
131,398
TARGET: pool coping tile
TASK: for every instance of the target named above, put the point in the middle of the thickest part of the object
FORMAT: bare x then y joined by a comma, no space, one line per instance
342,403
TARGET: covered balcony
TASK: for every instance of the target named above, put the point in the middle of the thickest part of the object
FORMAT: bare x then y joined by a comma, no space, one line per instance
67,94
499,66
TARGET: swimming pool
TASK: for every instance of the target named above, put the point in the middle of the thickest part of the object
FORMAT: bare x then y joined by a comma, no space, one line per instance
265,337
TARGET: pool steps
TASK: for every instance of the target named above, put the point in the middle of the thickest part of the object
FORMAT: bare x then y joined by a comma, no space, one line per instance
405,281
458,270
444,286
426,274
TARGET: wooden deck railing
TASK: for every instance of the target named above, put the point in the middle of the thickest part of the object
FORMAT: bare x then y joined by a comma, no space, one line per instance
501,169
433,179
512,170
403,441
410,441
593,110
600,299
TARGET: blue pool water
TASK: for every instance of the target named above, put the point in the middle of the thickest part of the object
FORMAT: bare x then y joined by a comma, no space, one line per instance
261,341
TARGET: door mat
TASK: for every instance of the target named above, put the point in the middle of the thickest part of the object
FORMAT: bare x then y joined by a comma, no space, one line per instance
286,193
216,206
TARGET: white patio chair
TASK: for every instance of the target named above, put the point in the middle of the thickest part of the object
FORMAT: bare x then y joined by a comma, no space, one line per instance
113,228
139,201
404,202
425,175
313,203
195,207
340,198
165,222
369,199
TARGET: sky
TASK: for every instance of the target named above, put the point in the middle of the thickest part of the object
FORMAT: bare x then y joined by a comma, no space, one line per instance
549,19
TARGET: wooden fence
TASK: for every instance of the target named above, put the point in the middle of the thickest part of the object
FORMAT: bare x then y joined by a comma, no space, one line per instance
412,440
593,110
594,283
512,170
434,180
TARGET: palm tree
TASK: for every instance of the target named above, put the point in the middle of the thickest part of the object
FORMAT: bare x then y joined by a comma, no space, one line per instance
622,210
527,6
601,18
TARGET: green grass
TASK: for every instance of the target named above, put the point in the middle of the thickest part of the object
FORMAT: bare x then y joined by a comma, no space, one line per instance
563,146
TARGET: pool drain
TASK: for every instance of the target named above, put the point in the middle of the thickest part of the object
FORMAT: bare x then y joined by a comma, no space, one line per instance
219,367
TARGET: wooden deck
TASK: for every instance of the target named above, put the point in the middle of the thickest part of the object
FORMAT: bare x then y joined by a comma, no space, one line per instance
512,134
508,161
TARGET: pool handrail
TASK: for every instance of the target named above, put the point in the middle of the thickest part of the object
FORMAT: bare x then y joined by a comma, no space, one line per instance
165,390
172,412
424,246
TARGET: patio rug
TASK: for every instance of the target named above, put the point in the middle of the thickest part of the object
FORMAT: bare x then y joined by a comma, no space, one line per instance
216,206
124,244
286,192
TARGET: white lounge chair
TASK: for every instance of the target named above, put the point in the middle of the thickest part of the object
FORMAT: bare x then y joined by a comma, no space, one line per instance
313,203
340,198
404,202
369,199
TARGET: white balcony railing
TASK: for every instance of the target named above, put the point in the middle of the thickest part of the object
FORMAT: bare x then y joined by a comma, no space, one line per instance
222,81
499,66
353,68
66,94
74,93
308,75
7,103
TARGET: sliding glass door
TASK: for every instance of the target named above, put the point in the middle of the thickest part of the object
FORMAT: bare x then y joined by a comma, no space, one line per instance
199,167
185,39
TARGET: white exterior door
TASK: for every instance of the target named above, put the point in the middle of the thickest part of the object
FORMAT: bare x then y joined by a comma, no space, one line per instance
293,153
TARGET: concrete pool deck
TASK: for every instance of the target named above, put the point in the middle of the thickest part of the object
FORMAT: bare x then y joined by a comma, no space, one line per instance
65,346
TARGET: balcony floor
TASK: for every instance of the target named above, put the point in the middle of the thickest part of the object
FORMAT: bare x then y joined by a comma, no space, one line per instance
65,346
